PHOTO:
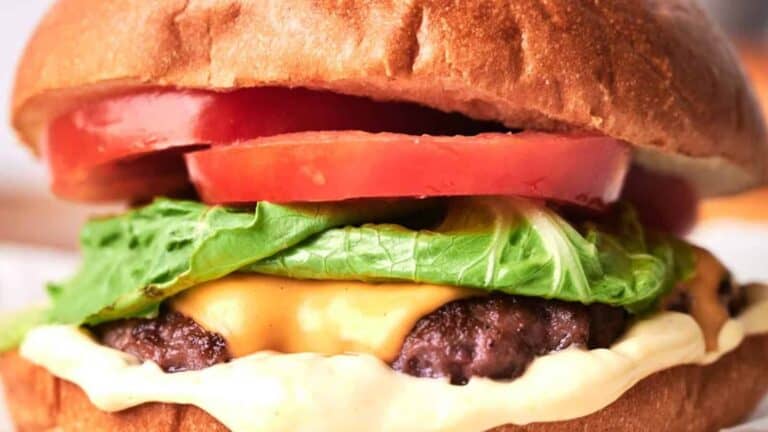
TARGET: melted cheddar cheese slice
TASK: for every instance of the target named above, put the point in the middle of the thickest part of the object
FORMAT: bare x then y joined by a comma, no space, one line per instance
261,313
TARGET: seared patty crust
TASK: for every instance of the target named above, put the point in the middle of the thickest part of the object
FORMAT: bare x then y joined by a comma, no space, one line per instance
173,341
495,336
499,336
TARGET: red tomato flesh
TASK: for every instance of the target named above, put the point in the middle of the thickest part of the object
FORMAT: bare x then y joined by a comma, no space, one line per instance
107,150
136,179
331,166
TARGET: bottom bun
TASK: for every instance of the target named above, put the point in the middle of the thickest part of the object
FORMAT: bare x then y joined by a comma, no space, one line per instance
684,398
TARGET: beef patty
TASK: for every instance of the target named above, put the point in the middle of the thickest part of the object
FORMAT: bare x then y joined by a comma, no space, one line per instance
176,343
495,336
498,336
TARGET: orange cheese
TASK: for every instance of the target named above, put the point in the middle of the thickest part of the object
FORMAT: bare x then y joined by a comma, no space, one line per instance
703,296
706,307
261,313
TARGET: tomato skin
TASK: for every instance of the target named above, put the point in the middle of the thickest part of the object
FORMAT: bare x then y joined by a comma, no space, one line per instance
83,147
331,166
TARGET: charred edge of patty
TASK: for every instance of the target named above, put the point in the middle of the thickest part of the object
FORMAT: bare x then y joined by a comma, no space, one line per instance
499,336
173,341
495,336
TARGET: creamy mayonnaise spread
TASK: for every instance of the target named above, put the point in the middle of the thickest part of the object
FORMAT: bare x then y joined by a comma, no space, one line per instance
309,392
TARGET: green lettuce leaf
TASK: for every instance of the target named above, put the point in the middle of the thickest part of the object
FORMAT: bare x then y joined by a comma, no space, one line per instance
510,245
13,327
133,262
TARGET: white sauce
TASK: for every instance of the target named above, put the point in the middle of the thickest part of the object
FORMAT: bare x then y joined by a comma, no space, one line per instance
309,392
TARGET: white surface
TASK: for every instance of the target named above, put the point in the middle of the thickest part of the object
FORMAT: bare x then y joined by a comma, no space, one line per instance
17,19
28,212
24,271
22,180
743,247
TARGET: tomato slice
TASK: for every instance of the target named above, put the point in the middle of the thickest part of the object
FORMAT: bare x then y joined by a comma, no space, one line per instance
110,149
137,179
330,166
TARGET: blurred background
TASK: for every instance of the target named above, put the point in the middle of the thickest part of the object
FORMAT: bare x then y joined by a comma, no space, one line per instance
24,199
35,228
32,223
736,228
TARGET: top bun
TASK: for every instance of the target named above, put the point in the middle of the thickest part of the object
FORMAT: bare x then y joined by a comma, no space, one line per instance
655,73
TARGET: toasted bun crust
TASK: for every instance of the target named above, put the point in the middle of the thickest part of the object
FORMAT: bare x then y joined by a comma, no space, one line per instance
655,73
686,398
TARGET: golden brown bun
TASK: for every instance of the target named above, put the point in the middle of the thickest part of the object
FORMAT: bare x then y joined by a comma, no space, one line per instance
655,73
682,399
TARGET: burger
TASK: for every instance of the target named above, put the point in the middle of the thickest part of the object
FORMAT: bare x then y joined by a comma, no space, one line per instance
388,216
